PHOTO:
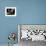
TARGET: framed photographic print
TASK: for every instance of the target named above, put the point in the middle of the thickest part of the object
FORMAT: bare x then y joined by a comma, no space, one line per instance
10,11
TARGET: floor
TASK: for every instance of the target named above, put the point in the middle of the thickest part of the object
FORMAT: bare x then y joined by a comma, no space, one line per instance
32,43
7,45
28,43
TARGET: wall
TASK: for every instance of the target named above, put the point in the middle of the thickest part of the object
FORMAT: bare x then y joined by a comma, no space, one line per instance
28,12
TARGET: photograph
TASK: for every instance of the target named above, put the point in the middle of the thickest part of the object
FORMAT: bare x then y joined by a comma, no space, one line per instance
10,11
